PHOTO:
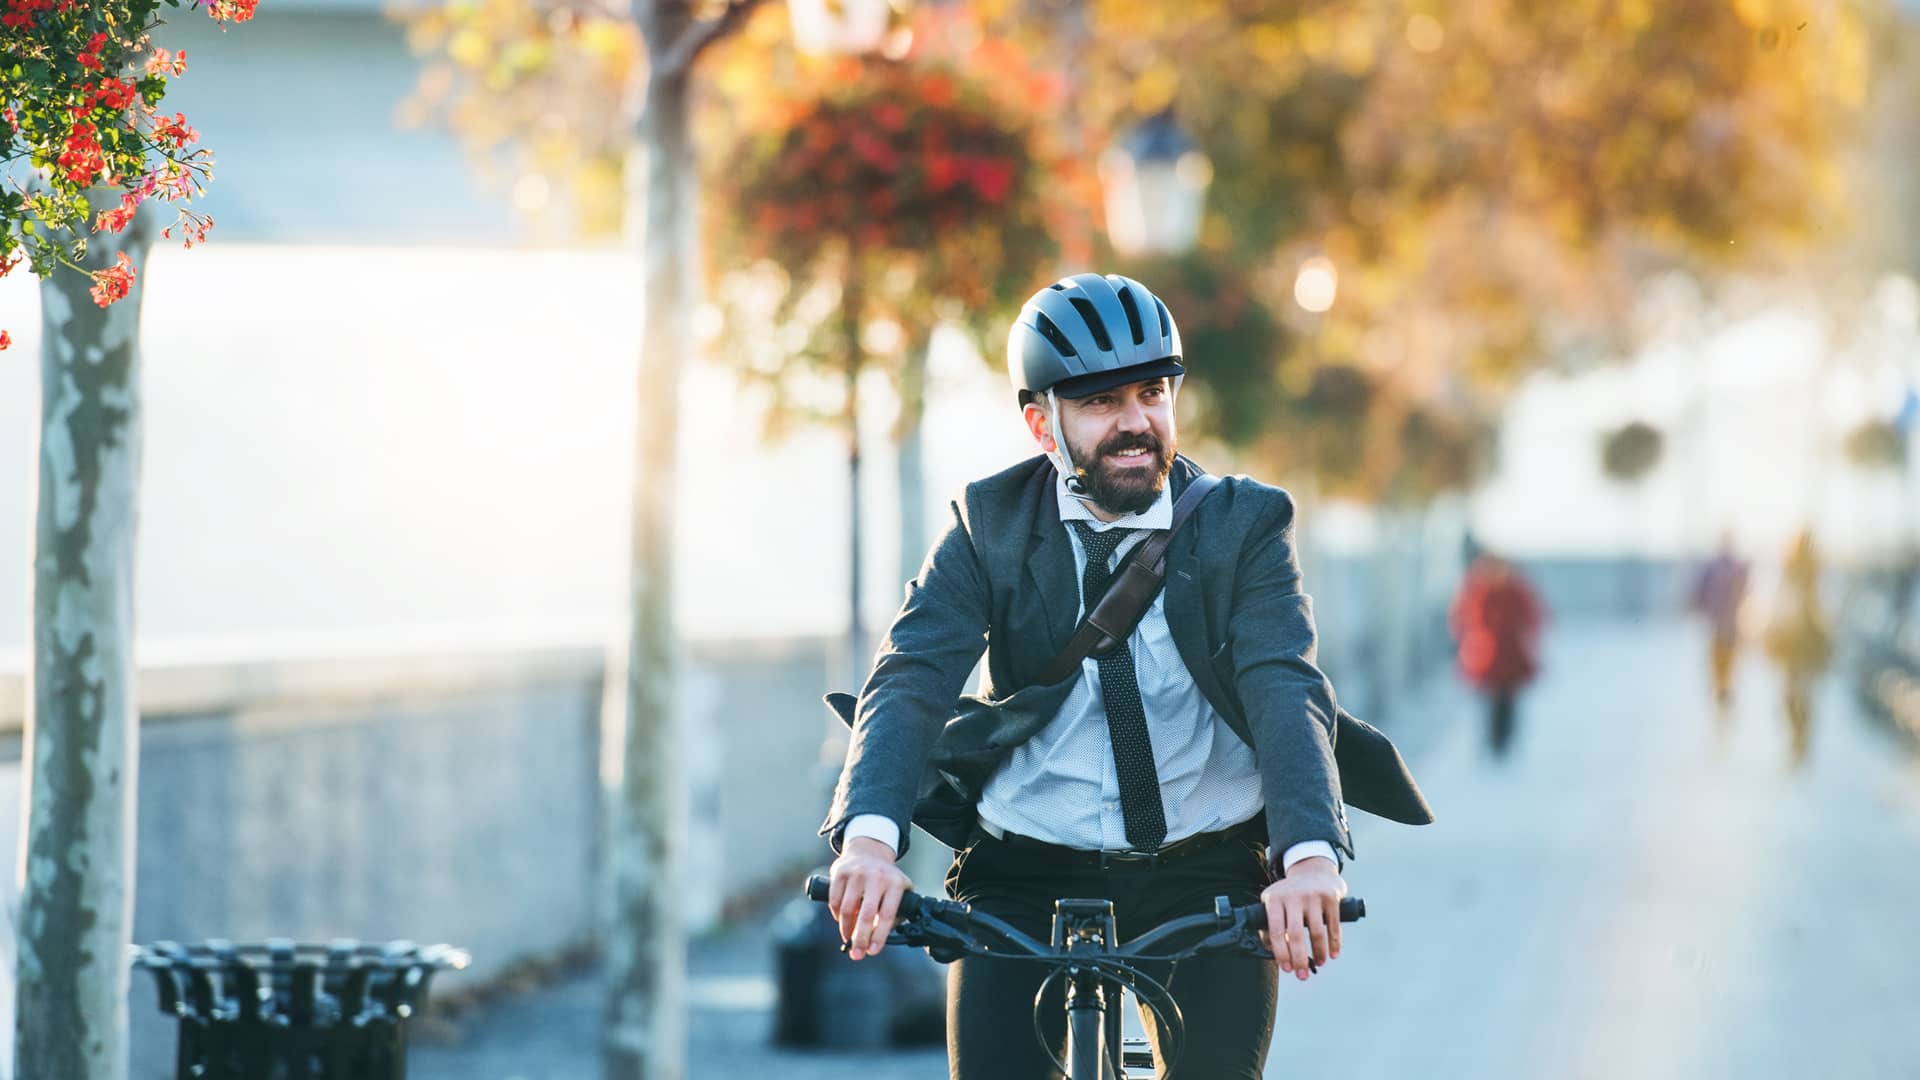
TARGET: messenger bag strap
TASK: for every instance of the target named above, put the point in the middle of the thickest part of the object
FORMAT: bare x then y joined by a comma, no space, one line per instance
1126,600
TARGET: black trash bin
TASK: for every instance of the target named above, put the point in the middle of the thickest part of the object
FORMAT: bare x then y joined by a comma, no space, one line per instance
824,999
299,1012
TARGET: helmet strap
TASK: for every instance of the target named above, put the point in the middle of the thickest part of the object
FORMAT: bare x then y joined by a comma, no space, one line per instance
1062,458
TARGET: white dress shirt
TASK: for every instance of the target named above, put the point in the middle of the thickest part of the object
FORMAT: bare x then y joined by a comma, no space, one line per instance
1061,785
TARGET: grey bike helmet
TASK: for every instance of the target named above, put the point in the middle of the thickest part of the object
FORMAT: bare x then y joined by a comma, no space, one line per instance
1084,334
1091,332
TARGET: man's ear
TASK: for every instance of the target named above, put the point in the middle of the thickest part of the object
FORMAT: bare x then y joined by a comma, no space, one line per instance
1038,425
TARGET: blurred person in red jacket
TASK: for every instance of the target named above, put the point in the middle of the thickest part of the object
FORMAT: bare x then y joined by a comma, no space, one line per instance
1496,618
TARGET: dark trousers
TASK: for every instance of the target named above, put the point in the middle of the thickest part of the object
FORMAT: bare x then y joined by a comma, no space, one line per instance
1227,1001
1500,721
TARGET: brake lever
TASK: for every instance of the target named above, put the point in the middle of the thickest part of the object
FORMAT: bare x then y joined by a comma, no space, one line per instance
942,940
1246,938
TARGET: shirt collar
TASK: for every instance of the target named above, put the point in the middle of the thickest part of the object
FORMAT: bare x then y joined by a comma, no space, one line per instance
1157,516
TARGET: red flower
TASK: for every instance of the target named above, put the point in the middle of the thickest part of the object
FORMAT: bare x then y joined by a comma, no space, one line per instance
875,151
992,178
167,63
117,219
116,94
89,57
232,10
113,220
6,339
174,131
942,172
82,160
114,282
890,116
937,90
21,13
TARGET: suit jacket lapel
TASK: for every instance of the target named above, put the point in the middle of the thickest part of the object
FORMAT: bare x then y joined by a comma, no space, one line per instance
1186,613
1050,576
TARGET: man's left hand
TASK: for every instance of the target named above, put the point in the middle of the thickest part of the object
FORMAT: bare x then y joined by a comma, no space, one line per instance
1303,915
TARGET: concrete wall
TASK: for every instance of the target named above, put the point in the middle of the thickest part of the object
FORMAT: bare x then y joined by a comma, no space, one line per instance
450,797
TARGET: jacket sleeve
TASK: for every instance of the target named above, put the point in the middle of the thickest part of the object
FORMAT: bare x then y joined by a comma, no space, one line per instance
918,675
1289,702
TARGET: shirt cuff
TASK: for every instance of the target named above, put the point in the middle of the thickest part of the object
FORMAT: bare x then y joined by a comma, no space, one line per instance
1306,849
882,828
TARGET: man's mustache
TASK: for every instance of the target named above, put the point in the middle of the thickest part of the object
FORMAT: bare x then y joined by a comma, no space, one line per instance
1130,442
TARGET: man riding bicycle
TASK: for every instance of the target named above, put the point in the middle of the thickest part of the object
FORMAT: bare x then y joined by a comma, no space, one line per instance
1203,756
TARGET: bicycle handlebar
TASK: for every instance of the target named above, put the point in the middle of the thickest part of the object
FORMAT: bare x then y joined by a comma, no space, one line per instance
949,930
1352,909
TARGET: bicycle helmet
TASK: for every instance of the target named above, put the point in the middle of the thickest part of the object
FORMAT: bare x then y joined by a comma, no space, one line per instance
1088,333
1091,332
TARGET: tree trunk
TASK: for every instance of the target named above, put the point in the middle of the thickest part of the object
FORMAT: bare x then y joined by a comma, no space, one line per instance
851,301
82,730
645,1030
913,469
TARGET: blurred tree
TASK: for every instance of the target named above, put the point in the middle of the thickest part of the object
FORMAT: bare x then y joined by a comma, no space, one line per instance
80,86
862,204
1629,452
536,79
1491,178
544,96
1877,444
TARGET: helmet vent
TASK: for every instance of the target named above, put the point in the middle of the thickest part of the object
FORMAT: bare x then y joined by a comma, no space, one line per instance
1092,319
1166,320
1053,335
1133,316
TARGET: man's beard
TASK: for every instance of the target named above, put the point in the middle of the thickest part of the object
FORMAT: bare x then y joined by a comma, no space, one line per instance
1117,489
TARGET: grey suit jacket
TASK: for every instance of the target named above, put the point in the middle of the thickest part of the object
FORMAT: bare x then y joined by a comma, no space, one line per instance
1002,576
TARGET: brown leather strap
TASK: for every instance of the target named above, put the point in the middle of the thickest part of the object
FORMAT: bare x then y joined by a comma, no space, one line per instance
1132,591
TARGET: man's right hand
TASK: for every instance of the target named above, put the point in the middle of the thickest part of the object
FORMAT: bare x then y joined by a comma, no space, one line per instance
865,897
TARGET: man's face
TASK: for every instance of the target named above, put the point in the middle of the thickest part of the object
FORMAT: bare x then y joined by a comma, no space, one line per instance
1123,439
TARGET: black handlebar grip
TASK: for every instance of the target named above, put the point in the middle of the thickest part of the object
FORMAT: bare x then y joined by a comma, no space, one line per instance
819,887
1352,909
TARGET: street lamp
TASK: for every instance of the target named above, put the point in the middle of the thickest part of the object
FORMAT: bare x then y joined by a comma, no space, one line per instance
1155,182
839,27
1315,286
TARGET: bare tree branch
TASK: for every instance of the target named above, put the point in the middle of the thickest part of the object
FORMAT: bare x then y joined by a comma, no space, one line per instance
697,36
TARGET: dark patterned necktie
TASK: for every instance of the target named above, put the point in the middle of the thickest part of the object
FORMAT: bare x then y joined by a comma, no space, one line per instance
1146,818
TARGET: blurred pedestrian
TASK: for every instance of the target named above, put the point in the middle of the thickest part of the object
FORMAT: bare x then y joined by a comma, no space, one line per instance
1496,618
1798,639
1718,593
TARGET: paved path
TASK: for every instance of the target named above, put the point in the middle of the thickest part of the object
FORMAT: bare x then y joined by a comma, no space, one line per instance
1624,897
1629,897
